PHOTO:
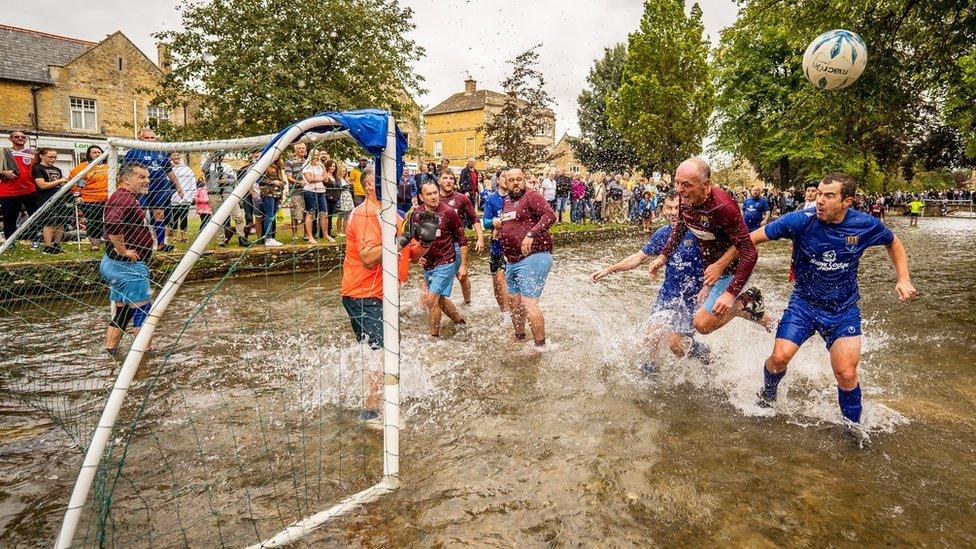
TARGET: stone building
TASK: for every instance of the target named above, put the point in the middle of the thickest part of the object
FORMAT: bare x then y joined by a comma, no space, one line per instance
563,158
68,93
453,126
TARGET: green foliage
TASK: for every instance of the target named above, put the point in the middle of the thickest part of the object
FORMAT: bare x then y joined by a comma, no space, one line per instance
767,112
961,102
600,147
254,66
666,93
509,133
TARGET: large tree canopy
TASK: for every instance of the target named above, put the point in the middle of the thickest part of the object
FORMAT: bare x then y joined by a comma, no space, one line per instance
600,147
254,66
666,93
790,131
524,115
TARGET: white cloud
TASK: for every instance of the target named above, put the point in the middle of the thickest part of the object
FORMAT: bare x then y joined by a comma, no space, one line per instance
459,35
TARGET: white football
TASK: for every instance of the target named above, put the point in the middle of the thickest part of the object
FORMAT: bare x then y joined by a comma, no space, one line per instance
835,59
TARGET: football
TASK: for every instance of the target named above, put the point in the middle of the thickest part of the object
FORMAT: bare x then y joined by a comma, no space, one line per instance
835,59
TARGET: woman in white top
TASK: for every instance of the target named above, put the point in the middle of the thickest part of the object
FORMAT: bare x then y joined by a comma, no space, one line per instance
179,209
313,191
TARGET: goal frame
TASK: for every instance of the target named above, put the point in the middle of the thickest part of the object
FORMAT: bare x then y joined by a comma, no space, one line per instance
304,130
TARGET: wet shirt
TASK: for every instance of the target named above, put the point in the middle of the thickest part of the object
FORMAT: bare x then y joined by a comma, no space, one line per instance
529,212
124,216
461,204
158,164
449,232
492,208
826,255
684,273
718,224
753,211
916,206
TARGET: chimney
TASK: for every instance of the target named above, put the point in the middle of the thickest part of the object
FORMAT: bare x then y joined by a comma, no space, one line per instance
469,86
162,52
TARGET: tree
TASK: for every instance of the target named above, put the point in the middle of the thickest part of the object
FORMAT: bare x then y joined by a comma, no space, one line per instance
768,113
600,146
255,66
524,115
666,94
961,102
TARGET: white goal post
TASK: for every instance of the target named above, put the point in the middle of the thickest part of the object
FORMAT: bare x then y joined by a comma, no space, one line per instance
304,130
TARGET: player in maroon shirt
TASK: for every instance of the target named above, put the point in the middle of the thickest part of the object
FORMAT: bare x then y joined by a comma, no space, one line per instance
525,220
727,251
877,209
440,262
462,205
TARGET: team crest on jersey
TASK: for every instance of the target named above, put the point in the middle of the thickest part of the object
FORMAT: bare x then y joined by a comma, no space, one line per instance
704,220
852,242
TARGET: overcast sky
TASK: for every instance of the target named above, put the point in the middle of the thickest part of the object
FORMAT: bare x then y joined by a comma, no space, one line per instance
460,36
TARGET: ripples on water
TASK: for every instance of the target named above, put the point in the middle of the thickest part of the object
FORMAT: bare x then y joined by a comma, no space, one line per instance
575,446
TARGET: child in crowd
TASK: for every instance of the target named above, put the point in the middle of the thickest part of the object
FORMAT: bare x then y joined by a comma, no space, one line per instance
646,208
203,204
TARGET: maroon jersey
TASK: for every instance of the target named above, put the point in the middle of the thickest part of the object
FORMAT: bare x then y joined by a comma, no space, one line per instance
124,216
462,205
529,212
450,231
718,224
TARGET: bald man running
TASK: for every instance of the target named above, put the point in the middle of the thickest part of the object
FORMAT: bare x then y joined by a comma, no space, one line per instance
727,251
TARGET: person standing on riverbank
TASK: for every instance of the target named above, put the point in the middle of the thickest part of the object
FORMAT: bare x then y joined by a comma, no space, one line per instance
17,189
127,251
525,221
728,253
672,314
441,263
827,247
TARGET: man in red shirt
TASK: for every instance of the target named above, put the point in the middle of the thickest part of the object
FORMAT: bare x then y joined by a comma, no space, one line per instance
525,220
440,260
727,250
17,188
128,247
462,206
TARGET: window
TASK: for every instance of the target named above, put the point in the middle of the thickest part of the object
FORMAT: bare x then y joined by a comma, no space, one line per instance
469,146
83,114
438,148
120,63
159,113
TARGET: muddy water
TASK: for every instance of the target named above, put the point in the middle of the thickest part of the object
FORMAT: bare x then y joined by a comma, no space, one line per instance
573,447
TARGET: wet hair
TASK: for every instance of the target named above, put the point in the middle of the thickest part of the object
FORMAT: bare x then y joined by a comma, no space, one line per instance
428,182
88,152
130,167
448,172
848,187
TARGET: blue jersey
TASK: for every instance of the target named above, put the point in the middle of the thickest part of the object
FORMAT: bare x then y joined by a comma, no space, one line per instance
158,164
491,207
684,274
826,255
753,210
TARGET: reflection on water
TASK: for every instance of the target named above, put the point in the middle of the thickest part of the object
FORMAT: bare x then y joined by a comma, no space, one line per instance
575,446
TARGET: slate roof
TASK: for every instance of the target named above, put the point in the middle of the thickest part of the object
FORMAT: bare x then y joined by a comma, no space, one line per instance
26,54
462,101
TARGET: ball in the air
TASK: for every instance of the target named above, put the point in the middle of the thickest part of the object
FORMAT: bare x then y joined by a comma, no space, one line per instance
835,59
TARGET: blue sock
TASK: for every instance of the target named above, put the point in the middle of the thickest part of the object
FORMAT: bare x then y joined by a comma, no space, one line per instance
770,382
160,231
139,314
850,403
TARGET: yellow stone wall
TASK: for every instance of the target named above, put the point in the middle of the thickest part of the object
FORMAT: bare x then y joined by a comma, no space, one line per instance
453,129
93,75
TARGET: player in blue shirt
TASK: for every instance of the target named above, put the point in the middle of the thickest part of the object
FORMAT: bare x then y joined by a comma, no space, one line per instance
755,209
678,298
491,207
827,245
162,182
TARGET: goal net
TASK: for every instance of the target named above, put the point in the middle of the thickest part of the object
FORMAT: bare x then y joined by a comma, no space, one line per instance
232,406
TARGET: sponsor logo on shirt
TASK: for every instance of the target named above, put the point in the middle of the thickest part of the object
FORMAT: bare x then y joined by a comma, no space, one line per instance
829,262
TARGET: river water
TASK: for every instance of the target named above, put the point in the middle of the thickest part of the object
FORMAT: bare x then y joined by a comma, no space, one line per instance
572,447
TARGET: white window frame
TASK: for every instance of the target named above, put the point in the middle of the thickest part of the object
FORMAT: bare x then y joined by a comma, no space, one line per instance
158,109
82,110
438,148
